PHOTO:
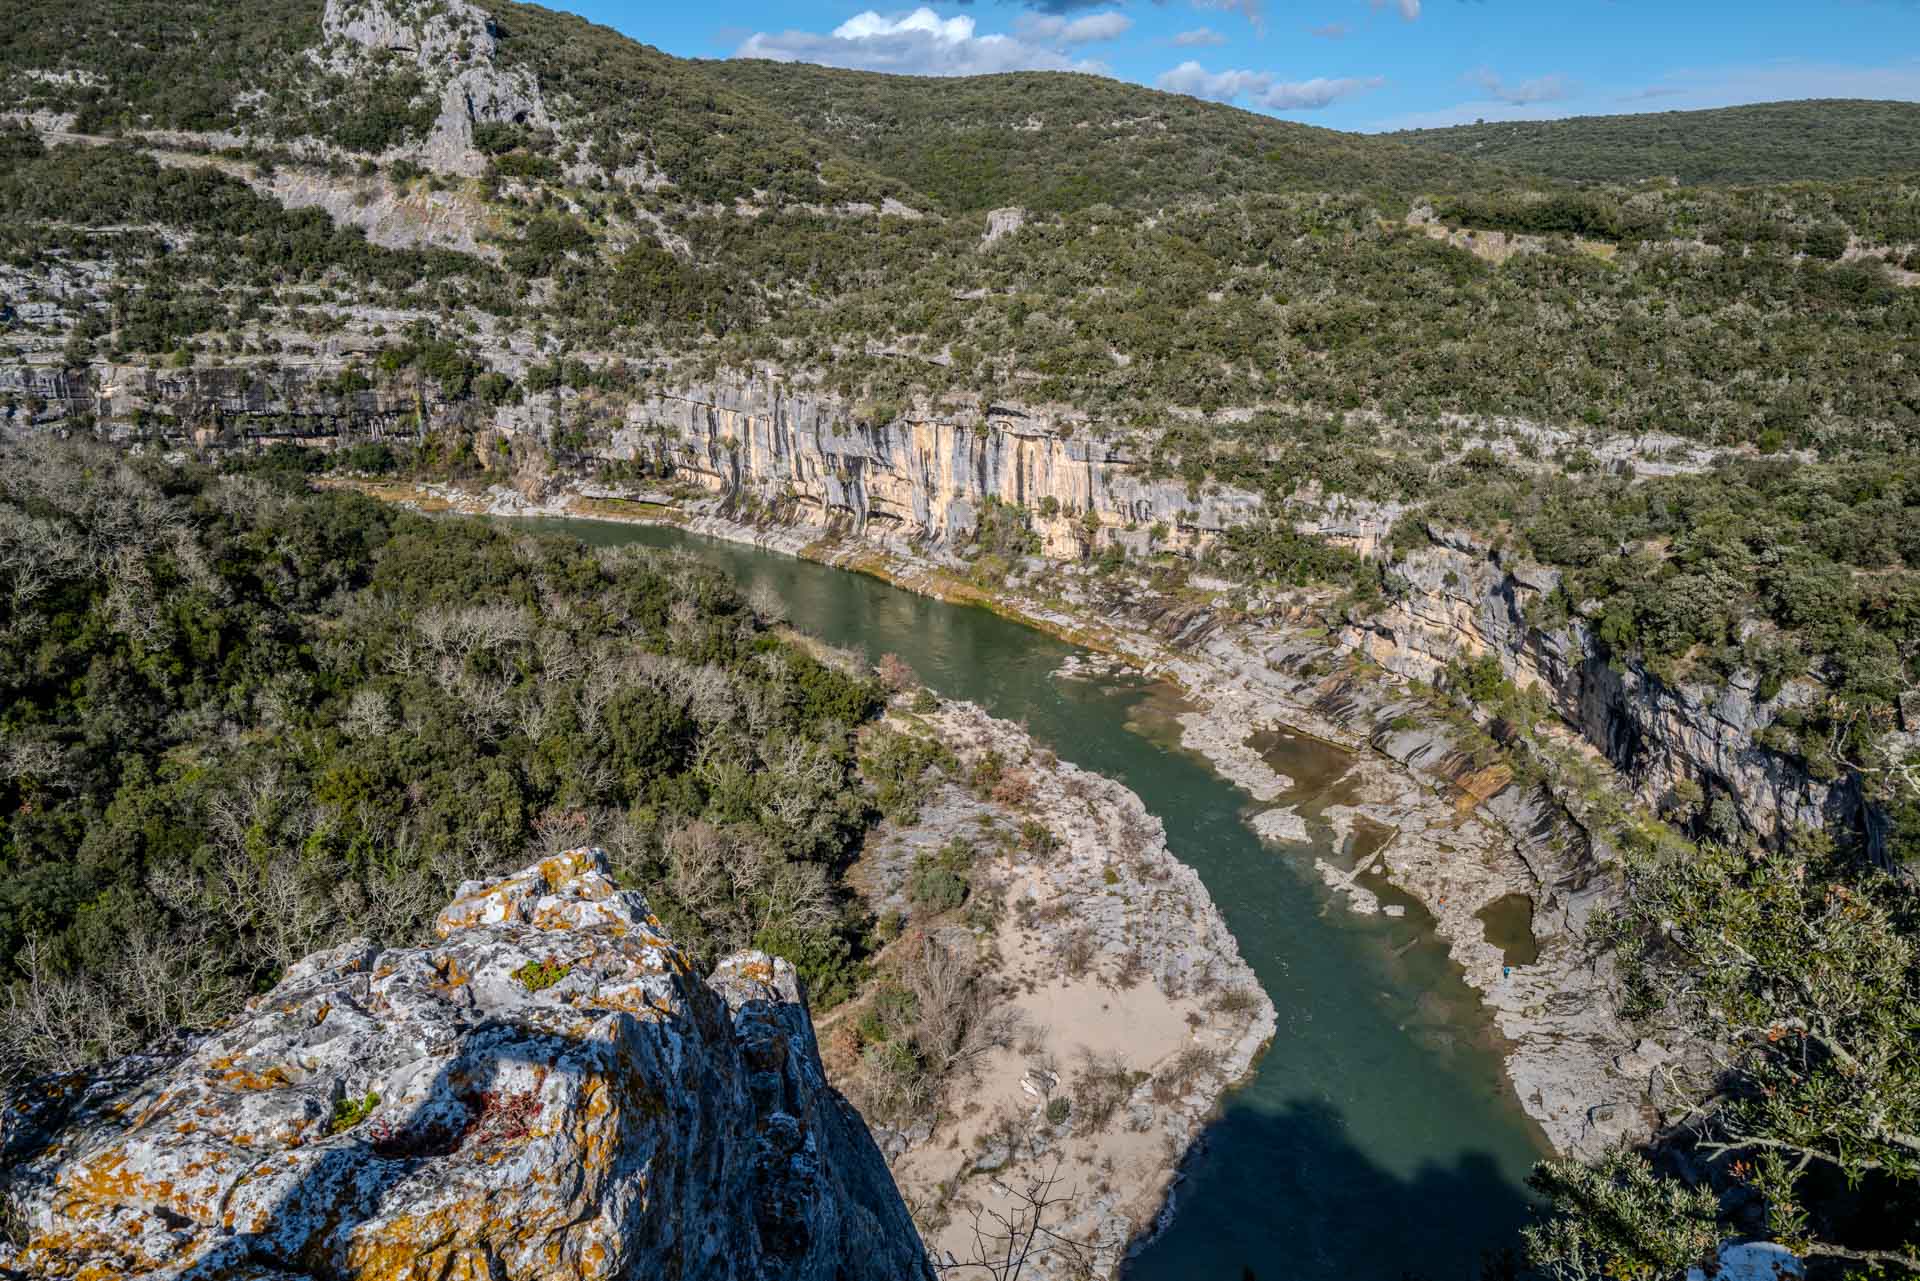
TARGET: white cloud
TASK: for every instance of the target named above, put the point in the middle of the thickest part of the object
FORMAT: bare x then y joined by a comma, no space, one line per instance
1331,31
871,26
923,43
1255,11
1551,88
1409,9
1199,36
1059,30
1263,88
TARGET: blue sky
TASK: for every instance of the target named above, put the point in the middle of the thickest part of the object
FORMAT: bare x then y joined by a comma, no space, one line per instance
1347,64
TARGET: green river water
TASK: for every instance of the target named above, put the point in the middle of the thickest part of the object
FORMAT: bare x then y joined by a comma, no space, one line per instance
1379,1137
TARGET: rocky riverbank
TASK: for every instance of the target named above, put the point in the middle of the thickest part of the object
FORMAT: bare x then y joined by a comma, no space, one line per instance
1128,1008
1462,844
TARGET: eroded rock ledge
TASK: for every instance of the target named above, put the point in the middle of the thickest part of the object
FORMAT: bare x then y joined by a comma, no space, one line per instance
546,1091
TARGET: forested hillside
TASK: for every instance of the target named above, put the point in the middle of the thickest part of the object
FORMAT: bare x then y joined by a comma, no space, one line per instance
243,720
1825,140
1056,143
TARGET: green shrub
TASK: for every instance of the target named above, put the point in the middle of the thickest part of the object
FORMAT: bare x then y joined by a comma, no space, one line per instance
349,1112
538,976
938,882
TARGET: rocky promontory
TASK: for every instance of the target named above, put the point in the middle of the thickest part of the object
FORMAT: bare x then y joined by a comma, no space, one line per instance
547,1090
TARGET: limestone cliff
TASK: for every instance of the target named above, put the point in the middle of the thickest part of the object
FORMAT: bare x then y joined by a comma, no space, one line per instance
924,478
547,1091
1462,598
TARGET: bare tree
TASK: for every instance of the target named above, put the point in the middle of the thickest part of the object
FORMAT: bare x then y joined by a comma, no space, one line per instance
710,695
560,829
896,673
698,872
369,714
262,886
35,760
1026,1233
765,601
954,1021
56,1021
685,625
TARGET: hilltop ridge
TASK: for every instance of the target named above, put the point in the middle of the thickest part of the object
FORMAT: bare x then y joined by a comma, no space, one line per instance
1810,140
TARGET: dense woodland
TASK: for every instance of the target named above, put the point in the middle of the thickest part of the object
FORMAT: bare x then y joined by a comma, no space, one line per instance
1674,356
243,720
1818,139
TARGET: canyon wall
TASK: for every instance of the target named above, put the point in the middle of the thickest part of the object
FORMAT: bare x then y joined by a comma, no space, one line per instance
925,479
1463,599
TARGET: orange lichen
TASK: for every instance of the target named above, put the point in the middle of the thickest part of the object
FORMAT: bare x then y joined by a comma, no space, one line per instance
756,971
450,978
105,1182
239,1078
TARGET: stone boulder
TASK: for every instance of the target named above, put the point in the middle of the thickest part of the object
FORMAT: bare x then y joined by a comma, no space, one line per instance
548,1091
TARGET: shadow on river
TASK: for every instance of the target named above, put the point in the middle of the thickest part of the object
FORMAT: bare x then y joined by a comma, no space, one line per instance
1344,1215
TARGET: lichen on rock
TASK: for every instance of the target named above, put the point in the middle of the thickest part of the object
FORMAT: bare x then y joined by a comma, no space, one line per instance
416,1112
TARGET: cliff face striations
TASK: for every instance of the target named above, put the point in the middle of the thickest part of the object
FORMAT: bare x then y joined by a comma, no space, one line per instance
547,1091
925,478
1464,598
920,477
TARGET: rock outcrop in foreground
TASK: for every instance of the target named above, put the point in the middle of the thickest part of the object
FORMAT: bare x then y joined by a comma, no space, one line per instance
548,1091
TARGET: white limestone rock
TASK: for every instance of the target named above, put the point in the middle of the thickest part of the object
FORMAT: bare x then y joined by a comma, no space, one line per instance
547,1091
1281,824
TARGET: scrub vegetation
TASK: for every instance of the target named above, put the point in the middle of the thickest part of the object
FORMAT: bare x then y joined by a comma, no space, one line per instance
244,721
1817,139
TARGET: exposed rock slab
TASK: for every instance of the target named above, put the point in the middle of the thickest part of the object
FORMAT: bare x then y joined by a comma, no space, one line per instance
547,1091
1281,824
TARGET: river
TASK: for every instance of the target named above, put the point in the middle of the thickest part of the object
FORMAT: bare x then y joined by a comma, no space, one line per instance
1379,1137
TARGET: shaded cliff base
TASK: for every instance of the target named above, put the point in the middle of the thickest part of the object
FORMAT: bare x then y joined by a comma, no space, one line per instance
1475,848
